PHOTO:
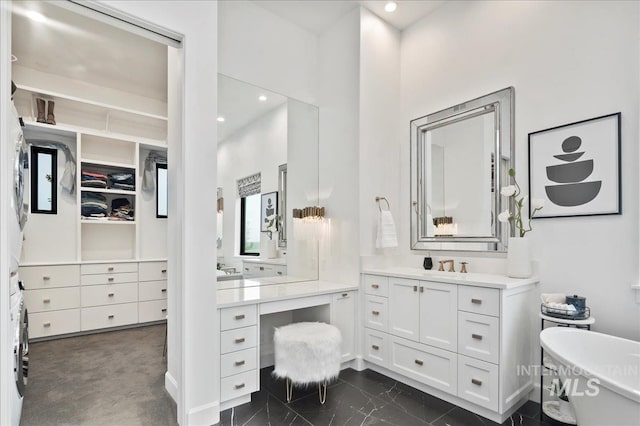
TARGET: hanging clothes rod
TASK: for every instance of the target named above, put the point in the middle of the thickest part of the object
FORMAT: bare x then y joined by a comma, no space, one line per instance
378,199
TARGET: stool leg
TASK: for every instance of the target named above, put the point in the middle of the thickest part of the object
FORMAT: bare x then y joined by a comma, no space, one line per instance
322,392
289,390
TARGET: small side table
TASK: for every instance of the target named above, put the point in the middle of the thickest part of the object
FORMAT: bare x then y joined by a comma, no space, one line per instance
548,411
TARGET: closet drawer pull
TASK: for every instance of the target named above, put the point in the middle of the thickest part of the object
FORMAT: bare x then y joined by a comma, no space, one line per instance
476,382
164,290
111,294
375,286
262,268
419,362
46,300
46,278
375,347
164,271
110,279
345,294
239,317
239,363
476,301
415,288
246,269
279,273
110,268
240,386
111,316
46,324
163,310
476,336
375,313
421,289
240,340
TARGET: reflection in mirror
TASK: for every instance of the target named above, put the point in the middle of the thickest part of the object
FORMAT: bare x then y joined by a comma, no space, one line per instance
220,213
44,178
266,143
456,197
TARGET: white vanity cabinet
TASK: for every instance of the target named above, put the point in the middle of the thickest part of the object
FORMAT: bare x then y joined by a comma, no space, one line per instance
343,309
259,268
461,337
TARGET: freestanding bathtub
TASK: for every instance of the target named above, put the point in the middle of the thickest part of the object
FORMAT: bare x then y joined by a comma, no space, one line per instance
602,374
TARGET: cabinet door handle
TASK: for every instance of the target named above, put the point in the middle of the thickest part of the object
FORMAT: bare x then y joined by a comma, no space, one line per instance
246,269
46,300
240,386
419,362
240,340
164,290
110,279
415,288
262,268
46,278
163,310
110,269
421,289
110,294
279,273
239,363
111,316
164,271
345,294
476,336
375,286
239,317
46,324
375,347
476,301
375,313
476,382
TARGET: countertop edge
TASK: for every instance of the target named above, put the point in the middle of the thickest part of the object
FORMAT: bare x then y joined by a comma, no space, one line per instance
511,284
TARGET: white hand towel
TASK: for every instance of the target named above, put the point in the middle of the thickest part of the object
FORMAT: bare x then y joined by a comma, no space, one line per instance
547,298
387,236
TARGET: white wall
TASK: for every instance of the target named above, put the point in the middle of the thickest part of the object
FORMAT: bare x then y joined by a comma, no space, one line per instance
568,61
259,147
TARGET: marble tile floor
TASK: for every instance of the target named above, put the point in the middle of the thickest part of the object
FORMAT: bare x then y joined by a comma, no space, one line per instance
359,398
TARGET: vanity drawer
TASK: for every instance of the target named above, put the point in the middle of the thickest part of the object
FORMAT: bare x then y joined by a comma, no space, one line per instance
152,271
109,294
238,362
36,277
431,366
280,270
376,285
43,324
236,386
479,300
376,312
152,310
53,299
237,317
479,336
376,347
152,290
238,339
97,279
108,268
478,382
109,316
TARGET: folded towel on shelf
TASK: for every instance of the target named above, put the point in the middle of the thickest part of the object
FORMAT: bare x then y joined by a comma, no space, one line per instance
387,236
547,298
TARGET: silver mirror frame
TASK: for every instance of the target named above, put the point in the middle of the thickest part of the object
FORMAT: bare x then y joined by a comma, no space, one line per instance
282,207
504,103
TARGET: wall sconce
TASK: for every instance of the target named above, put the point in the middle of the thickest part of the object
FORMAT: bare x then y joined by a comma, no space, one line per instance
309,213
310,224
445,226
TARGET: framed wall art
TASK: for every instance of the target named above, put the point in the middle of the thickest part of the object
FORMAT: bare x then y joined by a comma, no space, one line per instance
268,207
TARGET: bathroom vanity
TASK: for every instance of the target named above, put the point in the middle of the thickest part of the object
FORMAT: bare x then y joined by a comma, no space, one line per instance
464,338
254,268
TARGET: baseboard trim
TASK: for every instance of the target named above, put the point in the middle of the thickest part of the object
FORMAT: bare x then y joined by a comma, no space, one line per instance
534,395
171,385
207,414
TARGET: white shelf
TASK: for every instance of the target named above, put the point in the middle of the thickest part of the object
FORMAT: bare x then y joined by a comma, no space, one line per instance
588,321
107,191
109,164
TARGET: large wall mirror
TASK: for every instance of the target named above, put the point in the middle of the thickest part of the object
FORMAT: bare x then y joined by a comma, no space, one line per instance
460,158
267,143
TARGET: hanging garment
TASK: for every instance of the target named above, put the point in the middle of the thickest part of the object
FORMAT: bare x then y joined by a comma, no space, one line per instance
149,176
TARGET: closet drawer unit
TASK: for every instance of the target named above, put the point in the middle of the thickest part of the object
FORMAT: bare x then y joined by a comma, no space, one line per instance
376,347
53,299
478,382
239,385
479,300
108,268
376,285
152,290
238,339
152,271
109,316
375,312
36,277
237,317
43,324
431,366
479,336
109,294
128,277
238,362
153,310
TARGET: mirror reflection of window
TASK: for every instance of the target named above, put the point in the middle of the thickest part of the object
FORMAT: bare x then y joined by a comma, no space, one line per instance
162,200
44,180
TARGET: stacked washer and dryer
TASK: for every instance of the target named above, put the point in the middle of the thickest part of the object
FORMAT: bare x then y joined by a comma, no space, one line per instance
18,217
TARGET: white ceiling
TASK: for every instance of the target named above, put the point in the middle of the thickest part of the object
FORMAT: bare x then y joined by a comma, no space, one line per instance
238,103
317,16
77,47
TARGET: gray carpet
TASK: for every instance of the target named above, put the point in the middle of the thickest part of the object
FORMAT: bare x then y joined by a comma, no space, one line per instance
114,378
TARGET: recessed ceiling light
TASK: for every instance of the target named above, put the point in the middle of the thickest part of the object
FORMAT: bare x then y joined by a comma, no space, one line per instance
391,6
221,119
36,16
262,98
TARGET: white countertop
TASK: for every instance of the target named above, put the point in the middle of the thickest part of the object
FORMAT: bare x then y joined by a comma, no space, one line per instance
259,281
276,261
475,279
269,292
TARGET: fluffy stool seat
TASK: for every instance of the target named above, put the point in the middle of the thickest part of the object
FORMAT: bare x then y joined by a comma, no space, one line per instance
307,352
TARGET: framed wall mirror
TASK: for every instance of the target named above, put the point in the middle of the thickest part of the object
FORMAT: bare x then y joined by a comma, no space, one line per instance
460,158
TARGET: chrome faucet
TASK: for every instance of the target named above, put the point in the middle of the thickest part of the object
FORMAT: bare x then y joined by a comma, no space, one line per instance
451,265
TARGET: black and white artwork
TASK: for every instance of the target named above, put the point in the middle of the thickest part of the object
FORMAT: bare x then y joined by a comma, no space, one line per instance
575,168
269,207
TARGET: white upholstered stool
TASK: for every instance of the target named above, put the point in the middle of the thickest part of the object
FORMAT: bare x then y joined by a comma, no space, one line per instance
307,353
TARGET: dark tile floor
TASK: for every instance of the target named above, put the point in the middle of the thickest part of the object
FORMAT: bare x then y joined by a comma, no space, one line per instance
359,398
